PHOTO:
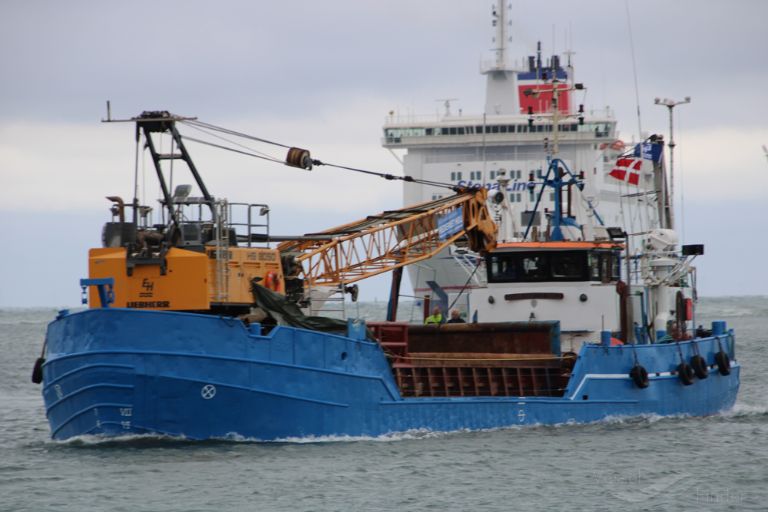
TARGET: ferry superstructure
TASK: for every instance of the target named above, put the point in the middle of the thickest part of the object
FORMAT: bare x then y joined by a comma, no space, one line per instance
506,145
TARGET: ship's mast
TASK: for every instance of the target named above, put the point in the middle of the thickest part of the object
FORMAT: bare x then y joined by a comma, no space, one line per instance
501,87
500,24
561,175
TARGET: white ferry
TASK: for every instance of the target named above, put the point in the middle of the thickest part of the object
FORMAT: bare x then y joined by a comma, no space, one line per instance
504,148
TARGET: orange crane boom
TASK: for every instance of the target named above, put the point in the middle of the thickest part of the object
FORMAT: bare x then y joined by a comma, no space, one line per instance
392,239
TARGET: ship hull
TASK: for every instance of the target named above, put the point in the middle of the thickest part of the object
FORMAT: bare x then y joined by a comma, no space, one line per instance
115,372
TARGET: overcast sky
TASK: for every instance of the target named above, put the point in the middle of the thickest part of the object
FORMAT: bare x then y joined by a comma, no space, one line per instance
323,75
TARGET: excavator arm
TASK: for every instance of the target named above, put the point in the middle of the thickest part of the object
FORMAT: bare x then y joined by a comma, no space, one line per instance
392,239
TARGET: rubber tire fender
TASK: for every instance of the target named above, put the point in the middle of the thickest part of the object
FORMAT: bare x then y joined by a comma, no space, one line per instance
639,376
723,363
685,373
37,370
699,365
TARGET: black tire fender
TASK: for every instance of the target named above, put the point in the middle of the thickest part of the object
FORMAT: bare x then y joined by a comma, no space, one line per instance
639,376
699,365
37,370
685,373
723,363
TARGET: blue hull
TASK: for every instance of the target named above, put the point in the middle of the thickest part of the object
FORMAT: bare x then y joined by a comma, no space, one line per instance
120,372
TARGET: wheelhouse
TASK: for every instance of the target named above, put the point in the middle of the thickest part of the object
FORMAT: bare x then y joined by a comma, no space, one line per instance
554,262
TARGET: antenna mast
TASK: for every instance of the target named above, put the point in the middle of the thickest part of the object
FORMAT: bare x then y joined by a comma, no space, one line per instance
671,104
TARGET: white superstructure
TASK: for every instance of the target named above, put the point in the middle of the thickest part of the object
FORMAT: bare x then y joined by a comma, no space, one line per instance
508,143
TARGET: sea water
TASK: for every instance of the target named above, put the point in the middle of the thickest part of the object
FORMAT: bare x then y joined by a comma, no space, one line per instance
651,463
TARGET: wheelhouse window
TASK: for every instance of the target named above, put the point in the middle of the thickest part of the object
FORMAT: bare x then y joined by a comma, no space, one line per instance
604,266
543,266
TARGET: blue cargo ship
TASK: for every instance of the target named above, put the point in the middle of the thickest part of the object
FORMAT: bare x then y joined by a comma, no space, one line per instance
116,372
199,328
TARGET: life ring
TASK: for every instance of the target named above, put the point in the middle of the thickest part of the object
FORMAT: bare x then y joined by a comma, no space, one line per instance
639,376
685,373
699,365
723,363
272,281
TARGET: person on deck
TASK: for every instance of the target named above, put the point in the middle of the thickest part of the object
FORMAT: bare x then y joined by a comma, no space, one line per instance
435,318
456,317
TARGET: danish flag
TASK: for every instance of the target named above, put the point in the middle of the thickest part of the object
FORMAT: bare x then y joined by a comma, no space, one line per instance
627,169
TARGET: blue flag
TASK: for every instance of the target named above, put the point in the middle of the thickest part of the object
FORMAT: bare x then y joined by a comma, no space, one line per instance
648,151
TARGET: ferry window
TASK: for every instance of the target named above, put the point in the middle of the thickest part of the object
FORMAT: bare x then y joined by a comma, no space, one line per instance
493,175
479,129
407,132
503,128
461,130
574,127
519,197
552,196
494,129
444,131
453,131
458,175
429,131
522,128
525,218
